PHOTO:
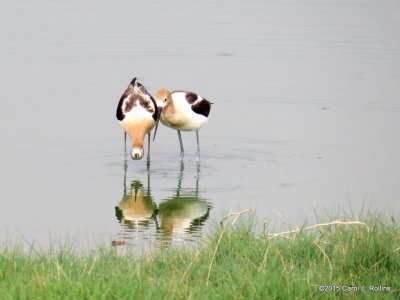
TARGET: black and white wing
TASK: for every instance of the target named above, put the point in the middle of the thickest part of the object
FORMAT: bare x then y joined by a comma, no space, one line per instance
136,95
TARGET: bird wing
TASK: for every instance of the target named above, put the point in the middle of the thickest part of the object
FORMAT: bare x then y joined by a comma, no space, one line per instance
136,94
198,104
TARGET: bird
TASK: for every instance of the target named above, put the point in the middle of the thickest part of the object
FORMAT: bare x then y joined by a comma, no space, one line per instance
182,111
137,113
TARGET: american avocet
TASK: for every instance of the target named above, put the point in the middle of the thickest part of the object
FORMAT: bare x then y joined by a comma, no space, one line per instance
183,111
137,114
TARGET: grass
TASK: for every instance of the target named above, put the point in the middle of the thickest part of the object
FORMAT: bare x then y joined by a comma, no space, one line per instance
234,263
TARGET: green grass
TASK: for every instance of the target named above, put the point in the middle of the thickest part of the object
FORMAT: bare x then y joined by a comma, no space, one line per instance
234,263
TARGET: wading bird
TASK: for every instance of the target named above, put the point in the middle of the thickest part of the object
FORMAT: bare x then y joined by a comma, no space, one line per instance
182,111
137,113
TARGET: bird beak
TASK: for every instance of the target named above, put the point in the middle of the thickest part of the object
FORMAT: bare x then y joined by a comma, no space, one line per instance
159,109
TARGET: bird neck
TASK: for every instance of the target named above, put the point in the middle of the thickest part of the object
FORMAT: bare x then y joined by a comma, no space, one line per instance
169,106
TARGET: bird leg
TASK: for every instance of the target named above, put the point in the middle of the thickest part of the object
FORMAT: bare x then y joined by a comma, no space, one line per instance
126,155
148,149
180,142
198,147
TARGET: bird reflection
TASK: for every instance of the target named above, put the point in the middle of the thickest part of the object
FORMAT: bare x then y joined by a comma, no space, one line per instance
136,211
181,217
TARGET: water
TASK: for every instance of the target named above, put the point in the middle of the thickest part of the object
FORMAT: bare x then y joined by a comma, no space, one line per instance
306,115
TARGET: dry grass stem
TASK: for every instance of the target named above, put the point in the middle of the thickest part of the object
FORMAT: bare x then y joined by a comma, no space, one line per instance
237,214
327,257
213,257
220,237
283,234
190,265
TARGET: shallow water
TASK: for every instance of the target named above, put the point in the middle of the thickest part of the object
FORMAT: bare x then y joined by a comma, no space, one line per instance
306,115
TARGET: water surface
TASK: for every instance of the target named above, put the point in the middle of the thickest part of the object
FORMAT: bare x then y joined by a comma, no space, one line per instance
306,114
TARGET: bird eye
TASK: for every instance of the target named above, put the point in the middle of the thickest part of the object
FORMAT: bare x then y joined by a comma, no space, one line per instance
165,99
